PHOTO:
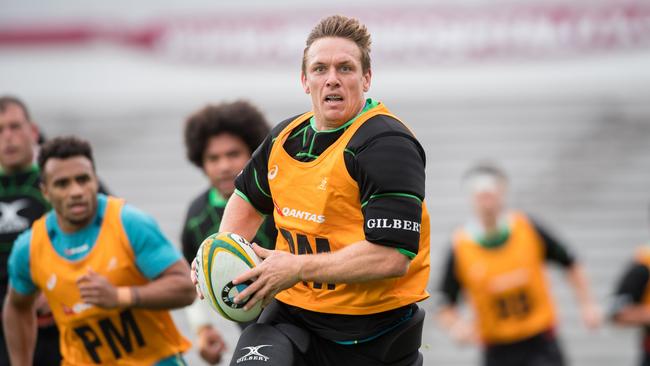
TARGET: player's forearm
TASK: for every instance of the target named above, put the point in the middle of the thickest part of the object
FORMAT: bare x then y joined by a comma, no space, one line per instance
633,315
359,262
173,289
19,325
447,317
240,217
578,280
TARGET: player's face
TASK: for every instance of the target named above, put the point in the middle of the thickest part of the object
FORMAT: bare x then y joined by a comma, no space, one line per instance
71,186
17,139
335,80
489,204
224,157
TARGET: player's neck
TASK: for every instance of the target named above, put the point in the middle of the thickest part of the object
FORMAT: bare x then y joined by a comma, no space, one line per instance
323,125
15,169
489,224
70,227
326,125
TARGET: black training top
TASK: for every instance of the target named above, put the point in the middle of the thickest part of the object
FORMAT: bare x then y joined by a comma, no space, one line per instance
383,157
388,164
203,218
21,203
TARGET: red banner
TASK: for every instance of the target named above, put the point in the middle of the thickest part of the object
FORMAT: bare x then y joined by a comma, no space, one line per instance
413,35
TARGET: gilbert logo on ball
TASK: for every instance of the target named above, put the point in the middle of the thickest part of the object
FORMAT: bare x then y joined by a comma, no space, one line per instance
220,259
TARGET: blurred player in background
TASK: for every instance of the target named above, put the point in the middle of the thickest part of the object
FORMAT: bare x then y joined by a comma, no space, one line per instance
631,305
219,140
498,260
345,183
107,271
21,203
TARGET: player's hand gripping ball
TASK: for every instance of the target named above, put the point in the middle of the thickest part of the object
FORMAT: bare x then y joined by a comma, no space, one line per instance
220,259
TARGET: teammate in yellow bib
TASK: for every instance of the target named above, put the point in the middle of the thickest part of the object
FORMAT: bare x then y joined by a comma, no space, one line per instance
498,260
345,185
631,304
107,272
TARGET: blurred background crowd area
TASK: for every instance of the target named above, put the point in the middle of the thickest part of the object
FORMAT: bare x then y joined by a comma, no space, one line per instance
557,93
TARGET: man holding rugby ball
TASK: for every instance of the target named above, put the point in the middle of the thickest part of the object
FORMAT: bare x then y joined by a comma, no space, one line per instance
345,184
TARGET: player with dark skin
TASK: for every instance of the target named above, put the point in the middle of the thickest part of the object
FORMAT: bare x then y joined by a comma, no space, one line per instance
219,139
152,275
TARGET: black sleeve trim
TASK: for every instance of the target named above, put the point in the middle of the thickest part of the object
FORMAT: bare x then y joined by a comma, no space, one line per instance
393,221
555,250
631,287
450,287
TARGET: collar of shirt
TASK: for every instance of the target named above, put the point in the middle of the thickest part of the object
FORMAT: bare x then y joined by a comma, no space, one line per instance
74,246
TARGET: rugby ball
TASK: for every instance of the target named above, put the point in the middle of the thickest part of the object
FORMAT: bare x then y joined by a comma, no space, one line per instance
220,259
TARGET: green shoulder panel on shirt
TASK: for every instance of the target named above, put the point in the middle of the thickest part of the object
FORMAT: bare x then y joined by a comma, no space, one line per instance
257,182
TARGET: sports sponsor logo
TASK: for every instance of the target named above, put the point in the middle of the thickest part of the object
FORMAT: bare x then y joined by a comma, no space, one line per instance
277,209
393,224
323,184
112,264
303,215
77,250
230,291
77,308
51,282
10,220
241,241
273,172
254,354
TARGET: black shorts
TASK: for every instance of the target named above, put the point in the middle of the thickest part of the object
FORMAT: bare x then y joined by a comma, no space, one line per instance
540,350
277,339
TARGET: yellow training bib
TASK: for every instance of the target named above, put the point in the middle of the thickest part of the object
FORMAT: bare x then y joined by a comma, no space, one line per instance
318,209
506,286
91,335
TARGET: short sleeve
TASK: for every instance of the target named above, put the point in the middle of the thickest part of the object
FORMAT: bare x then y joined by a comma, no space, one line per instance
252,183
20,276
449,287
555,250
631,287
154,253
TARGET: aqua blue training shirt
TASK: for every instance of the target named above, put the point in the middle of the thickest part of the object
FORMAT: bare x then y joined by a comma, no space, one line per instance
154,253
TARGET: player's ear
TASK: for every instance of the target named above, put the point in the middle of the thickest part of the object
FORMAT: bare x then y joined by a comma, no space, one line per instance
366,80
43,187
34,132
303,81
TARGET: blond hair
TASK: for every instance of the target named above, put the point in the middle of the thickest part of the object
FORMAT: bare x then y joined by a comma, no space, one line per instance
342,27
